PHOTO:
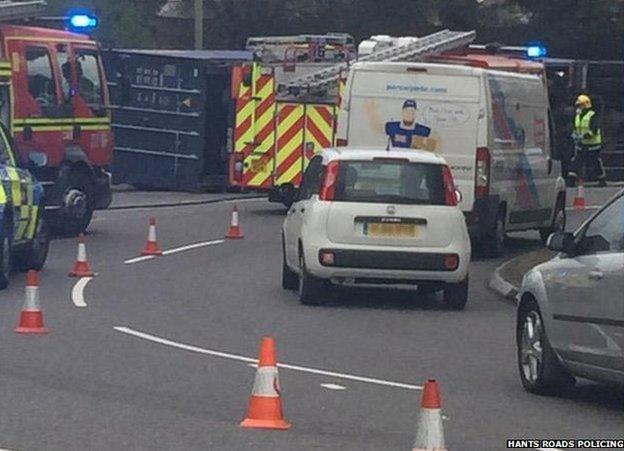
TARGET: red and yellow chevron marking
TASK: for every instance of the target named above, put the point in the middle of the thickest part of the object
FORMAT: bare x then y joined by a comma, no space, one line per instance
319,126
243,132
259,170
289,145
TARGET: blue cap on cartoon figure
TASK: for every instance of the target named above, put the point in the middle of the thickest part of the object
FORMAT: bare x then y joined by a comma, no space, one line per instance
409,103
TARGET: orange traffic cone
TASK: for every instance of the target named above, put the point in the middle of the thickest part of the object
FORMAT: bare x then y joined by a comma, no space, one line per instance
430,432
235,232
579,200
152,248
31,316
265,406
82,267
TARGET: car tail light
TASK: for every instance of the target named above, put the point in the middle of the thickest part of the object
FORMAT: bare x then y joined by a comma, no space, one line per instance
482,175
328,189
451,261
341,142
450,196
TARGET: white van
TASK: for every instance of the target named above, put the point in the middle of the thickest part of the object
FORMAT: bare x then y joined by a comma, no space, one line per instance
492,127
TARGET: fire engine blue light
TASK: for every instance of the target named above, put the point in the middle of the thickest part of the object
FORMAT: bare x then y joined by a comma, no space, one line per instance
83,21
537,51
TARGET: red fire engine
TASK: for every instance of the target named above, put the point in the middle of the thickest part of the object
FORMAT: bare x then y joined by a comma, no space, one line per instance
57,108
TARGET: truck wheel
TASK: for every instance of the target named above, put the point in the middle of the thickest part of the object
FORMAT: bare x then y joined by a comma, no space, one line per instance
493,243
311,289
36,253
540,370
558,223
77,210
5,256
456,295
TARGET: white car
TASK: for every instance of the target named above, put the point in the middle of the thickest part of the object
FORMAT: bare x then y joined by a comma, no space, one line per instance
376,216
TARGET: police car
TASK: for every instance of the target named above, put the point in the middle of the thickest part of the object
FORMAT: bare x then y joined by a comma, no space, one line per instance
24,236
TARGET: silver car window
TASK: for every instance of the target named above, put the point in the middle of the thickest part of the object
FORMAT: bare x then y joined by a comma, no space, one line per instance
605,233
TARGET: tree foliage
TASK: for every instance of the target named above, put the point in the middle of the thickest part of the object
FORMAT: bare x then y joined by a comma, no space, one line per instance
572,28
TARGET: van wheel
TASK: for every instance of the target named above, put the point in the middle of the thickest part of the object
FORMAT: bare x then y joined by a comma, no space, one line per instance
311,289
5,256
456,295
493,242
558,223
540,370
290,279
36,253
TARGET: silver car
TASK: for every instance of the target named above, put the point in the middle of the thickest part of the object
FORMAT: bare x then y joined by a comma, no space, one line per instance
570,319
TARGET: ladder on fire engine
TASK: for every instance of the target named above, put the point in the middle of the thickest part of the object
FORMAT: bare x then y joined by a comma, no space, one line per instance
12,10
435,43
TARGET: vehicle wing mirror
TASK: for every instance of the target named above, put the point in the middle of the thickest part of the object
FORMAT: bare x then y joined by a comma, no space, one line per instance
290,194
561,242
459,196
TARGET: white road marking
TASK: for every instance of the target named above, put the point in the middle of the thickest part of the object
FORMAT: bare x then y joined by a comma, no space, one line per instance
240,358
139,259
192,246
175,250
588,207
77,294
333,387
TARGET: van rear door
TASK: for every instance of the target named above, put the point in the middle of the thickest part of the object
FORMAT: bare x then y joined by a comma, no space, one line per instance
420,106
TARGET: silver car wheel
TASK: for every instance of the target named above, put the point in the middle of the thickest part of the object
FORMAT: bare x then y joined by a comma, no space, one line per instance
532,357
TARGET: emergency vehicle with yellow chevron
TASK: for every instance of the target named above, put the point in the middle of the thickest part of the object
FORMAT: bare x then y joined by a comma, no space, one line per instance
24,238
275,133
56,106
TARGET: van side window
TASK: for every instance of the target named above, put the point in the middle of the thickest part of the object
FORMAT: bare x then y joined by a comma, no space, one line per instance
40,78
89,80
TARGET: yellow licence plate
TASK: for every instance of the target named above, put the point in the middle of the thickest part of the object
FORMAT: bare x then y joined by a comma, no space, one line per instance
395,230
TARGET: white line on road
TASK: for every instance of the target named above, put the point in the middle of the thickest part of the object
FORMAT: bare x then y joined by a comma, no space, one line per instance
77,293
175,250
333,386
240,358
588,207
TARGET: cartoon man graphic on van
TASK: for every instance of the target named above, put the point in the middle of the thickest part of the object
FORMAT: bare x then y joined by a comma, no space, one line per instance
405,133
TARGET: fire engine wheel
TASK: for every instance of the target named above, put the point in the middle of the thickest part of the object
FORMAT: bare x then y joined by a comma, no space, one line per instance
77,210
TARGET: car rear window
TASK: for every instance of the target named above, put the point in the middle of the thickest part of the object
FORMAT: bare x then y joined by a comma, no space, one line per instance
390,181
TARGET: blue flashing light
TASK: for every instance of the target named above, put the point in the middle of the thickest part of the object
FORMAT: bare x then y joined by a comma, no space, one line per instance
537,51
82,21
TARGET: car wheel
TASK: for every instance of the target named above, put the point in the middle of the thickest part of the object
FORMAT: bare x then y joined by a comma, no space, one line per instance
5,257
36,254
290,279
311,289
540,370
456,295
494,241
559,221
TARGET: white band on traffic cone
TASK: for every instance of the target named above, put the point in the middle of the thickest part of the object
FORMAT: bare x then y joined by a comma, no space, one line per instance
31,299
151,236
82,252
430,434
266,383
235,218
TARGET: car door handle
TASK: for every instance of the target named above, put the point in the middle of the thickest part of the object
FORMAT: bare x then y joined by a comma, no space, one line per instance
596,275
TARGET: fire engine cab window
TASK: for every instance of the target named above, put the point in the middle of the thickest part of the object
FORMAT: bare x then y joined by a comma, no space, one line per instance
40,79
89,84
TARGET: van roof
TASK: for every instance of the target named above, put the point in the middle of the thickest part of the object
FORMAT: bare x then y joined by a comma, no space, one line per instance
369,153
435,68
